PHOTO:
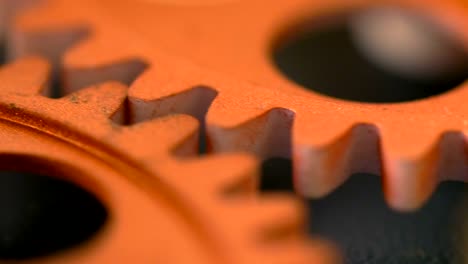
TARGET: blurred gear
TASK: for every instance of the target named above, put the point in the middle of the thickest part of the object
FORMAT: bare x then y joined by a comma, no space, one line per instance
166,205
212,62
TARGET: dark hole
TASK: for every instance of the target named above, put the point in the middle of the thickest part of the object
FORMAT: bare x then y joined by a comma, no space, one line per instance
326,60
358,220
276,175
40,215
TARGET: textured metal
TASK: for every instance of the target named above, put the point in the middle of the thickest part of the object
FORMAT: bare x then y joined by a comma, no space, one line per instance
210,61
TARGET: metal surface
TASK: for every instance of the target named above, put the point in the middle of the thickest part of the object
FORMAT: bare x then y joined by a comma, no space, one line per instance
135,143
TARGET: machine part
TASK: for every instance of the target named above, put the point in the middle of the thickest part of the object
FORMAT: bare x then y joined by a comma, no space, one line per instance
204,61
165,204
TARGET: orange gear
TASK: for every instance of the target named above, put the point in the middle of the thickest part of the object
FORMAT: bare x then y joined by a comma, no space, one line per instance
166,205
247,104
331,138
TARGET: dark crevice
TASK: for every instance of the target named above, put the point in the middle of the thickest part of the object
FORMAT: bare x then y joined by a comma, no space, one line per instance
276,175
357,218
56,87
202,147
40,215
325,59
2,52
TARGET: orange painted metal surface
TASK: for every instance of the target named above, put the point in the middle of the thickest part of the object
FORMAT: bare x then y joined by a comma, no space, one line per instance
208,63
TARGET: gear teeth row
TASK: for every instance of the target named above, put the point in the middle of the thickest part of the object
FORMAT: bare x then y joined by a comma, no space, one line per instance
275,231
80,54
329,145
270,225
229,186
328,141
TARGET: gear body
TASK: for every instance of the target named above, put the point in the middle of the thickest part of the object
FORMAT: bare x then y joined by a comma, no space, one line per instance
140,159
249,105
197,64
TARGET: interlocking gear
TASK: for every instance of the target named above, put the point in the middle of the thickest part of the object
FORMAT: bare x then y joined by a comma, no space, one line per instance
165,204
211,62
140,158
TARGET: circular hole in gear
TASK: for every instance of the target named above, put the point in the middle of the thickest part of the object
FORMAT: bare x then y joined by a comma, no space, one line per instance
372,55
40,215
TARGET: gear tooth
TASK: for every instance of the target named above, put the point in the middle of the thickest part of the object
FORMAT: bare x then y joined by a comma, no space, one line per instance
170,135
173,95
272,218
45,30
266,134
105,100
319,169
225,174
409,160
91,62
410,180
257,224
227,112
28,76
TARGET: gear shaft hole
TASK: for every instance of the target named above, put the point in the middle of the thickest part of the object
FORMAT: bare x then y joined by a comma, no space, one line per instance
41,215
372,55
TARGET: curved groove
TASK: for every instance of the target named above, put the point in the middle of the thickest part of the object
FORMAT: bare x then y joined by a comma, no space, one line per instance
195,102
268,135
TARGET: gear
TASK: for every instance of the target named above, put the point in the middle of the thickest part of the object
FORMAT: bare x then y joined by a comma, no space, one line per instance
162,200
138,157
331,139
157,48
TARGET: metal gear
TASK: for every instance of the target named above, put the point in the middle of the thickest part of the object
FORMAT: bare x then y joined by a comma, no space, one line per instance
199,59
412,146
166,204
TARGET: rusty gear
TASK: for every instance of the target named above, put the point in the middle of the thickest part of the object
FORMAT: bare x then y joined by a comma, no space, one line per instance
157,48
166,205
409,143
